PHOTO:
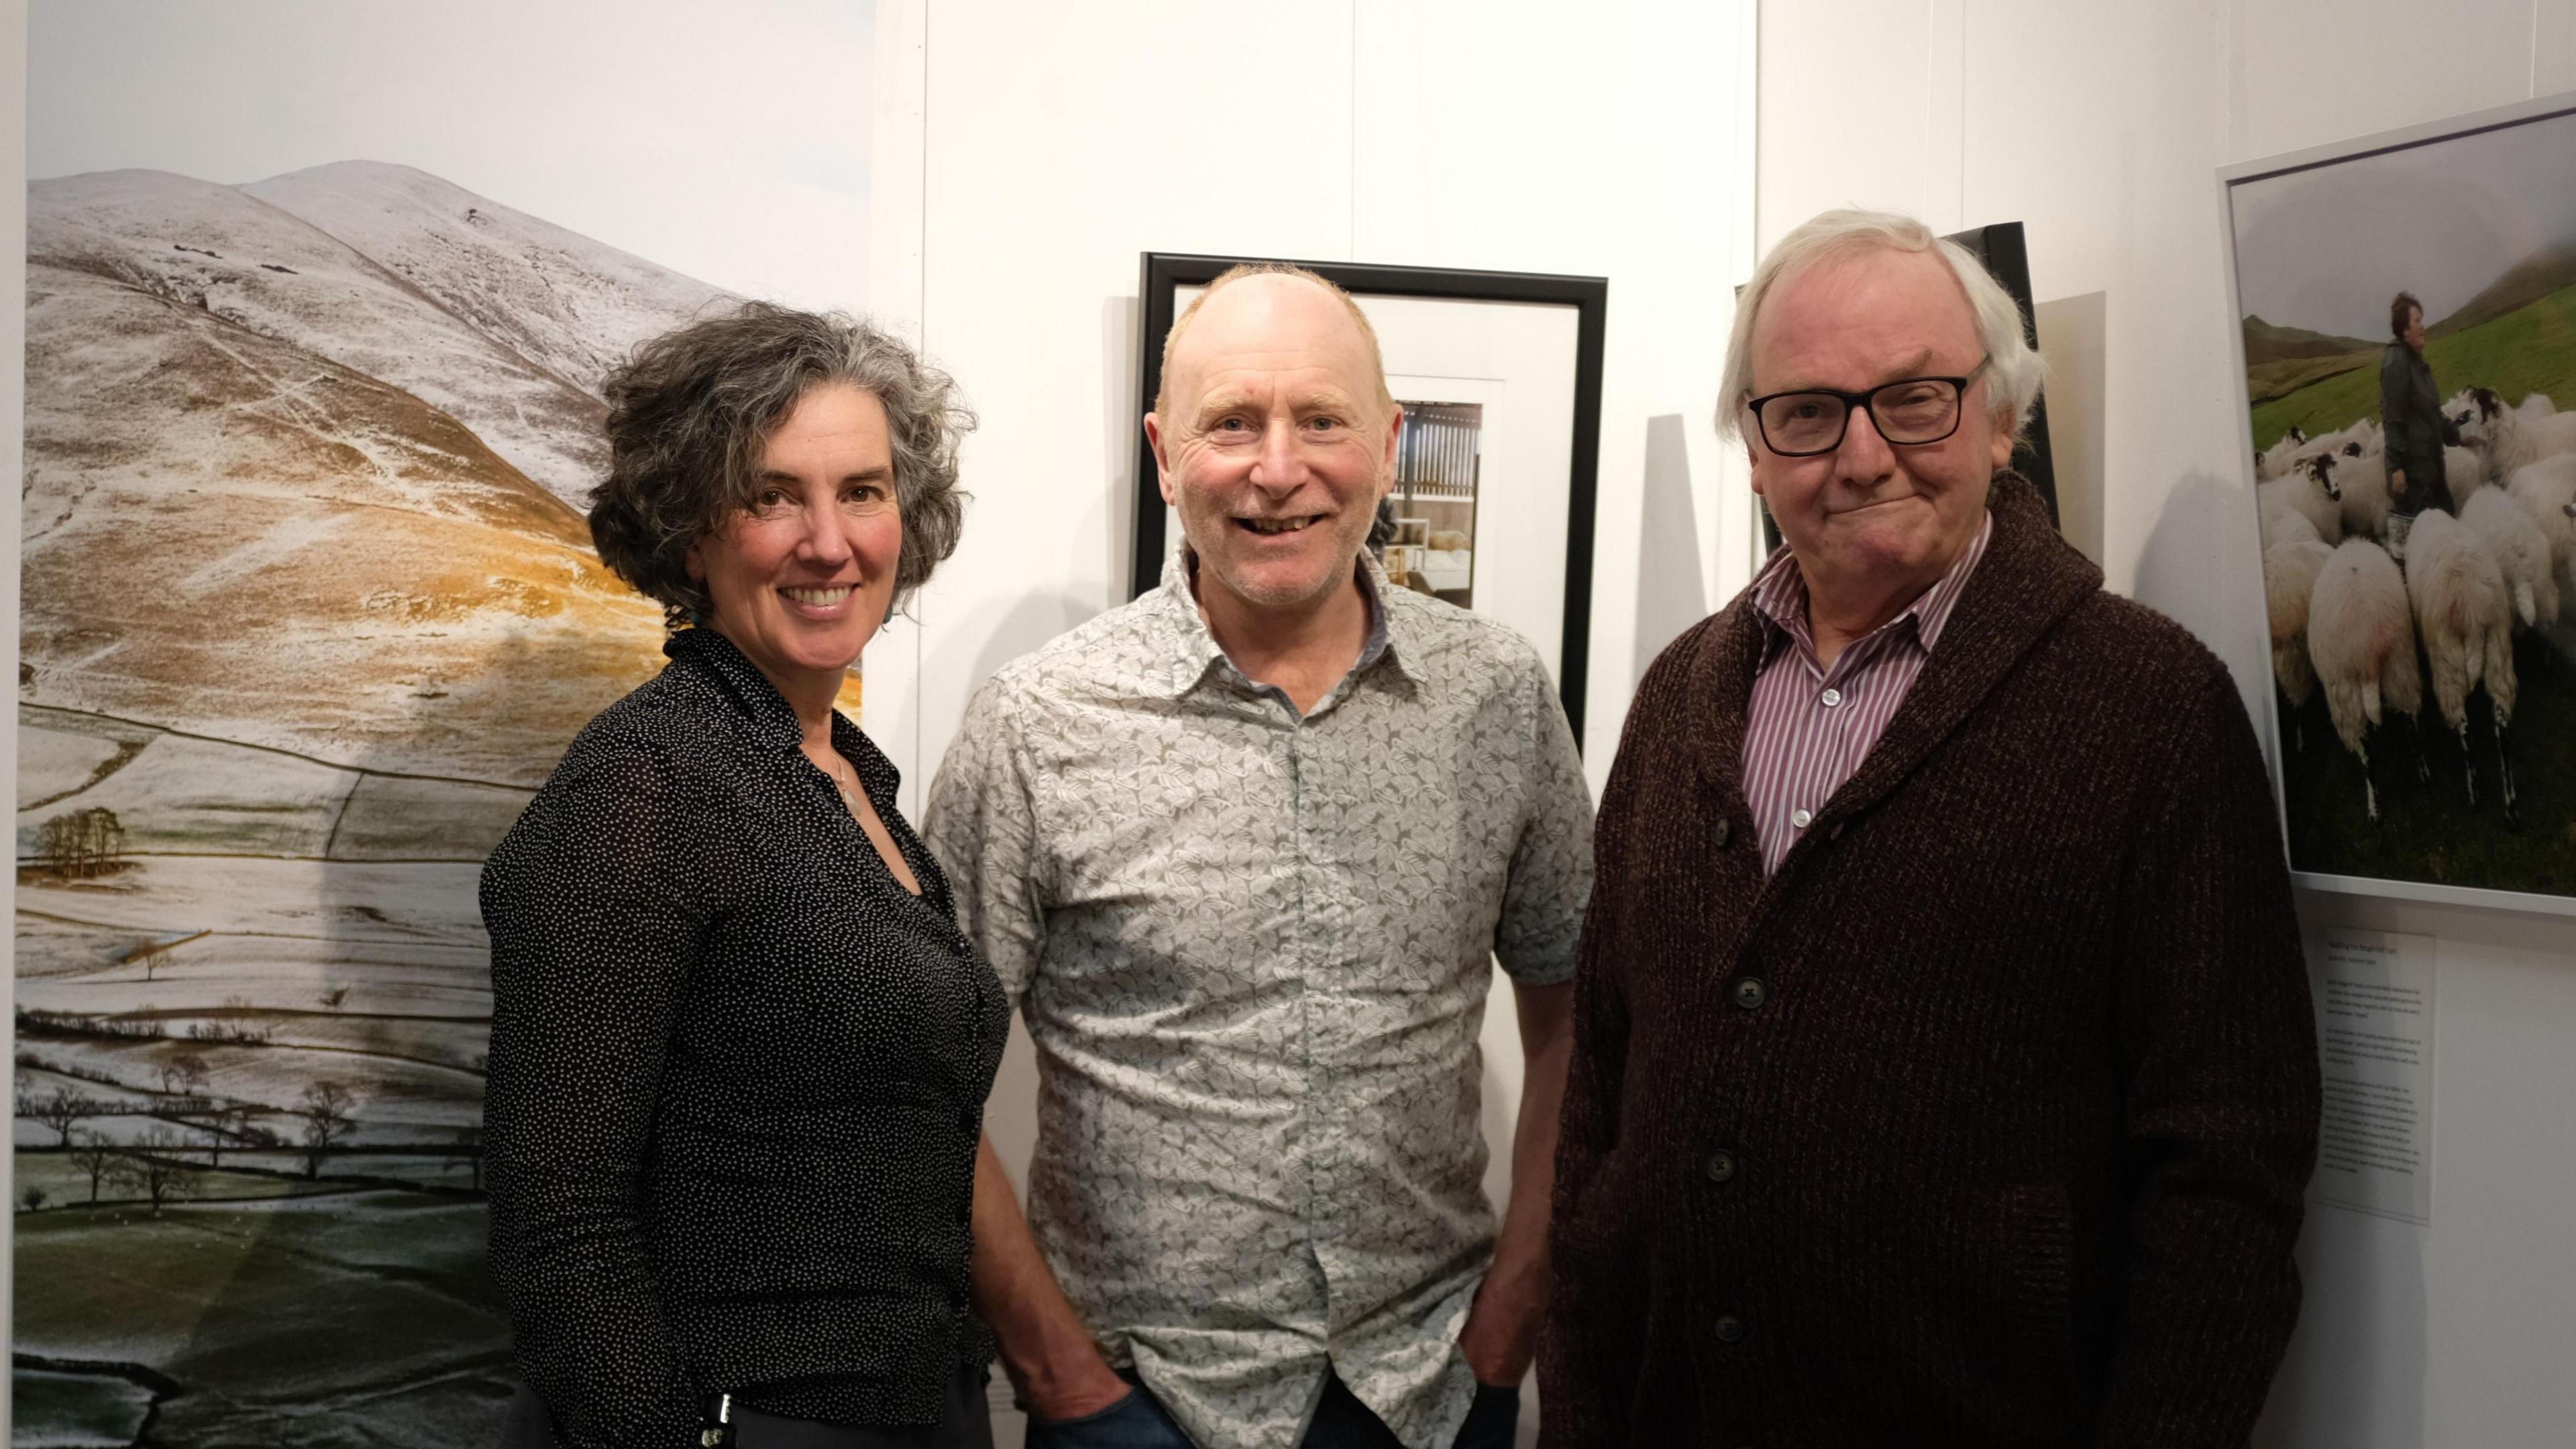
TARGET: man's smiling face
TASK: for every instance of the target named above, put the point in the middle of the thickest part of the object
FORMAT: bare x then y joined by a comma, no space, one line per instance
1274,441
1870,509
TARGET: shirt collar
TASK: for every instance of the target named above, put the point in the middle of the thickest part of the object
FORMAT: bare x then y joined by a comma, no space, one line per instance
1189,650
1780,596
772,718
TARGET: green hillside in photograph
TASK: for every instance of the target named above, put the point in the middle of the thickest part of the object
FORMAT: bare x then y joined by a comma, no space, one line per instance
2530,349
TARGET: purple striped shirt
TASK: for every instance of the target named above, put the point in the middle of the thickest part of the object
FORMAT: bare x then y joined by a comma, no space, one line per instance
1807,727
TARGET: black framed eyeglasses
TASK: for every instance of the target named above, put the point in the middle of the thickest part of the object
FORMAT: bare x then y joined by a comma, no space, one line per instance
1909,412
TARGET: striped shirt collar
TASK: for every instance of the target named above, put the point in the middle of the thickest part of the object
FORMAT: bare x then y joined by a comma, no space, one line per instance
1780,597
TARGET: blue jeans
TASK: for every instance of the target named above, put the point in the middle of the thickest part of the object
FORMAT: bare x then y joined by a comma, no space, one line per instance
1341,1421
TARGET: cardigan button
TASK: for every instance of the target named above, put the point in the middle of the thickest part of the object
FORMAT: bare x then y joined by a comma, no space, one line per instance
1750,993
1720,1165
1730,1329
1718,833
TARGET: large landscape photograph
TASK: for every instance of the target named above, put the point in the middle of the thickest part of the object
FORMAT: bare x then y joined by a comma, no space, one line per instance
2424,667
309,612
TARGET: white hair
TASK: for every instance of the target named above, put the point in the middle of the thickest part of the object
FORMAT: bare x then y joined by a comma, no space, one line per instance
2014,370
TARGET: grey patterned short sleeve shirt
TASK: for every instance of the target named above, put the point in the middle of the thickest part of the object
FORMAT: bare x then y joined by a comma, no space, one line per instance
1254,951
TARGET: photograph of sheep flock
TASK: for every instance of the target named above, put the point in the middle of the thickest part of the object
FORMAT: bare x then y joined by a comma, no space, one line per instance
2409,318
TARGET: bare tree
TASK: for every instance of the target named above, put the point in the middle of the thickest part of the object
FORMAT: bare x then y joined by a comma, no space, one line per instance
326,1120
222,1125
96,1157
79,844
184,1076
153,1167
32,1197
62,1109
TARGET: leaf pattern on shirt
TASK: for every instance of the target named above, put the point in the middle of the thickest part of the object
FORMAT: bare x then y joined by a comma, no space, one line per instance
1254,952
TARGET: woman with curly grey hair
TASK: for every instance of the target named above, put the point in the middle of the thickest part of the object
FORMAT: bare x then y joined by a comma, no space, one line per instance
739,1048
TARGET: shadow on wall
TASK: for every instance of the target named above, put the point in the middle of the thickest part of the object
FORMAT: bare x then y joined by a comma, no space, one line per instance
1672,593
2174,565
1125,413
2071,336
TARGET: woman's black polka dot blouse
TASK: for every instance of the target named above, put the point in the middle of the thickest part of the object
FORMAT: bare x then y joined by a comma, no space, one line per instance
737,1076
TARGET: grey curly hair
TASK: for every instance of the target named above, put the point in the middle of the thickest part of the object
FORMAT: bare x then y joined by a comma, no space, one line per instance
690,412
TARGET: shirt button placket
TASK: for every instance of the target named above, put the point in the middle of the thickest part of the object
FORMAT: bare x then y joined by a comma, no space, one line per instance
1320,932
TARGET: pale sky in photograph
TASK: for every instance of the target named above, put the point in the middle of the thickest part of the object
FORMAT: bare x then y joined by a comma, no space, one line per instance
726,142
2327,248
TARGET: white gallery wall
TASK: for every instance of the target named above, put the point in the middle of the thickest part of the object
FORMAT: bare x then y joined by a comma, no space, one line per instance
2102,129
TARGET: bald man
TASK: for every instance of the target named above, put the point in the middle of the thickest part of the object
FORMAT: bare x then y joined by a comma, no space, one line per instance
1245,852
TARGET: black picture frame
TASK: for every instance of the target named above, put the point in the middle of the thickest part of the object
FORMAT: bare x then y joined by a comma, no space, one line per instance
1163,274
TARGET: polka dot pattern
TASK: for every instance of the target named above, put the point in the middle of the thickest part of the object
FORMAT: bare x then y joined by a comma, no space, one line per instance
737,1076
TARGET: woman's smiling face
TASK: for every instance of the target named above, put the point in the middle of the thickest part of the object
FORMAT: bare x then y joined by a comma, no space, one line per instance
802,579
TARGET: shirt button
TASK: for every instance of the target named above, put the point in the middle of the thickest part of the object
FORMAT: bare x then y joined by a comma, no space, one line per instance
1802,819
1750,993
1831,697
1718,833
1720,1165
1730,1329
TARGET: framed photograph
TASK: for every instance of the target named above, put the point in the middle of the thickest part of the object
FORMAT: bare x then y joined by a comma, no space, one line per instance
1499,375
2406,310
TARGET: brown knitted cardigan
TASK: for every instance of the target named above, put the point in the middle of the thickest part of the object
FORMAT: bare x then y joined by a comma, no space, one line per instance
1986,1120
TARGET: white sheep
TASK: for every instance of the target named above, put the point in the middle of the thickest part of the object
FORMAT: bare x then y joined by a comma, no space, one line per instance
2361,641
2509,440
2273,461
2465,618
2311,492
2290,570
2464,471
2521,552
2361,491
2287,525
2547,492
2535,406
2355,438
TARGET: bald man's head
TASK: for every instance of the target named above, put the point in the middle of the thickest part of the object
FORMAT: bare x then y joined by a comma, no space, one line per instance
1274,438
1249,271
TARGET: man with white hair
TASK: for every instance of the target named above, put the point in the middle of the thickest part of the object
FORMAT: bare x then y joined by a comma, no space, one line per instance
1245,852
1943,1065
